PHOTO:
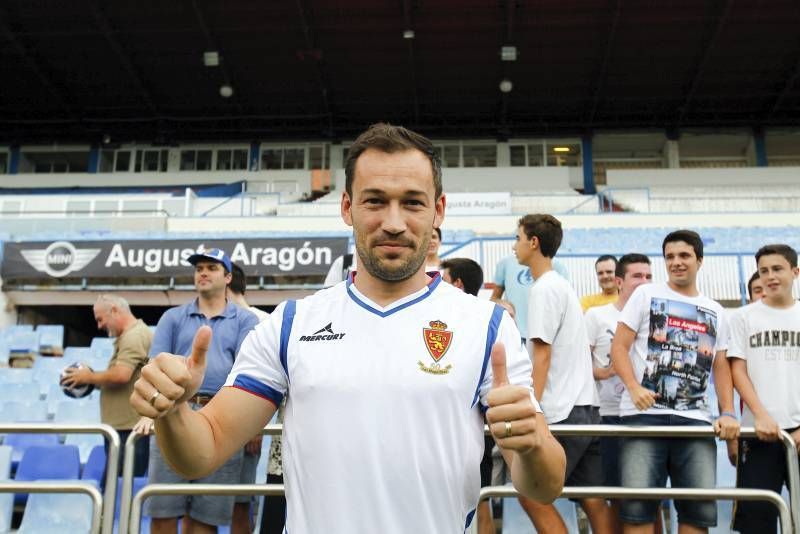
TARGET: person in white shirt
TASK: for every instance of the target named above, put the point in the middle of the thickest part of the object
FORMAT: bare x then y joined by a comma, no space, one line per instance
387,375
764,353
632,270
668,340
562,369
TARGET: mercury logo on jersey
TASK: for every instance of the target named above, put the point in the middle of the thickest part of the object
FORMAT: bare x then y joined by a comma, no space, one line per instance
325,333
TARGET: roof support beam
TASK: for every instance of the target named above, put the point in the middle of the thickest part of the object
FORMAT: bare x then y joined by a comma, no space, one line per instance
700,67
504,130
599,84
110,35
32,64
319,66
412,78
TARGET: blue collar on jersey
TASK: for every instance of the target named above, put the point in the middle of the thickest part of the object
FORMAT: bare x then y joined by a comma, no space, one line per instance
433,284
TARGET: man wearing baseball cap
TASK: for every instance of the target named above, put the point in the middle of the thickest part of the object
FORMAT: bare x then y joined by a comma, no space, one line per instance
174,335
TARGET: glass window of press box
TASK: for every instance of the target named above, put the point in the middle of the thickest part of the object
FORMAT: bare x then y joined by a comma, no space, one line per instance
295,157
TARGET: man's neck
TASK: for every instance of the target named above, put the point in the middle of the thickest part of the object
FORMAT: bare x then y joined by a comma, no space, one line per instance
127,322
383,292
239,300
211,305
610,292
540,265
432,260
782,301
686,291
621,301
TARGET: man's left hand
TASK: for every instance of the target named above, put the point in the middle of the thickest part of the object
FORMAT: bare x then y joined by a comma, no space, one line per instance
76,376
726,427
512,414
254,445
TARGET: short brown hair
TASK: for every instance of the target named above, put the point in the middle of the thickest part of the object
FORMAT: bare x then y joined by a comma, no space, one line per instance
390,139
788,253
547,228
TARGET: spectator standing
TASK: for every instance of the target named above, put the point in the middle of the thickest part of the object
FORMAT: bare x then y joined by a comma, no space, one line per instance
387,375
432,260
755,288
562,369
668,340
764,353
174,335
633,270
605,268
131,347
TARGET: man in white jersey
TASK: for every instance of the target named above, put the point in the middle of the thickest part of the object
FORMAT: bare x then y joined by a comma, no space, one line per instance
632,270
668,340
764,353
562,369
387,375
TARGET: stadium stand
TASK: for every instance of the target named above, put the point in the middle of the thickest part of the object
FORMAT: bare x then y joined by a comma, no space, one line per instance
6,499
47,513
54,462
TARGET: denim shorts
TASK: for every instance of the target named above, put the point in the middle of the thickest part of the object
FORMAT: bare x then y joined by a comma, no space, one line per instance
688,462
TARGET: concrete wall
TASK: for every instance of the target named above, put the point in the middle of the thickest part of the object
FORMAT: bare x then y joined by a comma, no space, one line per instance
703,177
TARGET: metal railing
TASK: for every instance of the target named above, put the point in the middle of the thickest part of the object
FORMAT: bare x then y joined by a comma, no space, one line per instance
112,460
63,487
715,494
557,430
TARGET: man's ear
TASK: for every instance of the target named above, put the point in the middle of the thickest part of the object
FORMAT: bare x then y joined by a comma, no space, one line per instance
345,208
438,217
458,283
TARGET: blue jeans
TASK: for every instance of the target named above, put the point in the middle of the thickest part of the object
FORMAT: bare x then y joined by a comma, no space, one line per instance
688,462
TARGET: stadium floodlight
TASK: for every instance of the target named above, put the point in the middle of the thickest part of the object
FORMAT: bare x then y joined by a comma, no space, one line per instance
211,58
508,53
409,34
506,86
226,91
561,149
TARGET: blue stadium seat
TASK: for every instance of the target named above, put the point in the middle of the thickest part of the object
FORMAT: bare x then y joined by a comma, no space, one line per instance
95,468
102,348
25,411
22,342
6,499
51,339
49,364
28,392
85,444
76,354
77,411
15,376
56,462
22,442
57,513
3,352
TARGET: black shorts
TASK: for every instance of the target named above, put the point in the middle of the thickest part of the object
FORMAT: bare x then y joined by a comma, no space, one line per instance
584,461
761,465
486,461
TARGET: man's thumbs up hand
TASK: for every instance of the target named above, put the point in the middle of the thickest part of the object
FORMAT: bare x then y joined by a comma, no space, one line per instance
512,413
168,380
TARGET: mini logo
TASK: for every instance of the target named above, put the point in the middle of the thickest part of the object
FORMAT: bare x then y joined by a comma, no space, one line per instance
60,258
437,341
325,333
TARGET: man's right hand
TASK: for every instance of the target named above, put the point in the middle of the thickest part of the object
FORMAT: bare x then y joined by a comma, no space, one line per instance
642,397
169,380
767,428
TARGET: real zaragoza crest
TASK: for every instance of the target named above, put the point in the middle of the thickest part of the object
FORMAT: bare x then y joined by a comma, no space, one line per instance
437,341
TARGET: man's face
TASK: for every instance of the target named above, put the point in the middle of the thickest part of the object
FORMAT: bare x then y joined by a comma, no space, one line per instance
605,275
682,263
522,247
636,274
393,211
756,290
105,316
777,275
433,246
210,278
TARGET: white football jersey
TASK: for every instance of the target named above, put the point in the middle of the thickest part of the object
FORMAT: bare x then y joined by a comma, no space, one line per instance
384,419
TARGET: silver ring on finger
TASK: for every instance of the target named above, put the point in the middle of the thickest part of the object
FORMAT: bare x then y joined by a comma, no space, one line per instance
508,429
153,398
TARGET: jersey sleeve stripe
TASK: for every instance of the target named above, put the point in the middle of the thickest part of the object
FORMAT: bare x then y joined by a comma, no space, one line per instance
470,515
491,337
254,386
286,330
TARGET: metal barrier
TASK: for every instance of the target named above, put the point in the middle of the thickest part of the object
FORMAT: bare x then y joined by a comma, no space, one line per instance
112,460
62,487
557,430
715,494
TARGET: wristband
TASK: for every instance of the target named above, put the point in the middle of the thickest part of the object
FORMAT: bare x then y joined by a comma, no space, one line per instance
729,414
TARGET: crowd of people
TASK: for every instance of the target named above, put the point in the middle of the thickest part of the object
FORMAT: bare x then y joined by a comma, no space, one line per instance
386,378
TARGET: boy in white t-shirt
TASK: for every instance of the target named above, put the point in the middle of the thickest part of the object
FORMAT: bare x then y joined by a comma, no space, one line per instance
632,270
562,369
764,353
668,340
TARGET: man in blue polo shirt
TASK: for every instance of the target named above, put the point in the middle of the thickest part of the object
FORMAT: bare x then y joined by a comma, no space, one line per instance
174,335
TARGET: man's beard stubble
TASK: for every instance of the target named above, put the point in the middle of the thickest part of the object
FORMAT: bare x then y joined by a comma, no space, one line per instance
377,268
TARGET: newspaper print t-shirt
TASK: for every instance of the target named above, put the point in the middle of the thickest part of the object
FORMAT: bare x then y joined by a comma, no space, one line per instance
676,340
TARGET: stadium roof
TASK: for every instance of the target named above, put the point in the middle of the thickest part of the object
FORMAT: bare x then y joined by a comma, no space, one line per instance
313,69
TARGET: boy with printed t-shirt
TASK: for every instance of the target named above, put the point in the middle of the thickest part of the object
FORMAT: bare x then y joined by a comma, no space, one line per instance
764,353
632,270
668,340
562,369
